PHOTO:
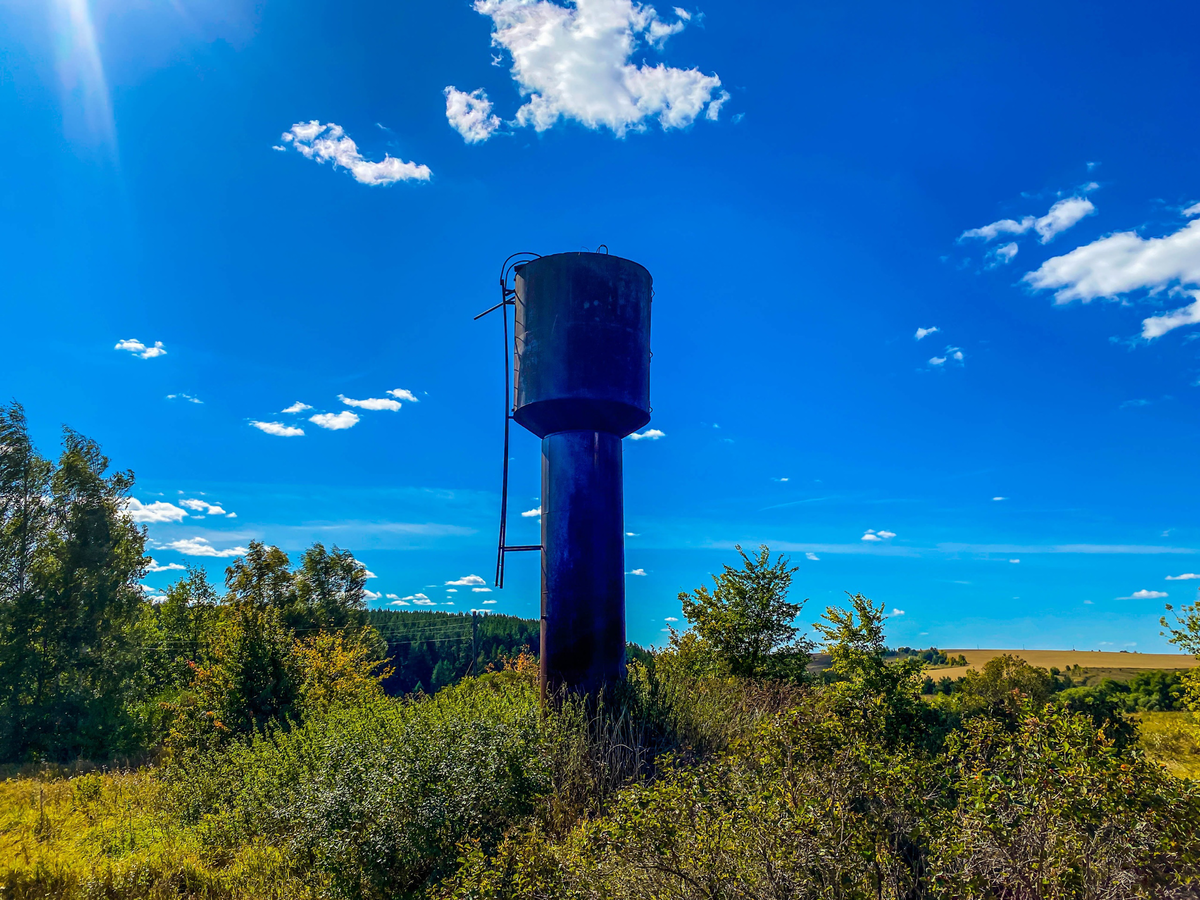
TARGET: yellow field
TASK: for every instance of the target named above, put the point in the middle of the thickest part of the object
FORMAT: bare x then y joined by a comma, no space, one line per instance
1111,665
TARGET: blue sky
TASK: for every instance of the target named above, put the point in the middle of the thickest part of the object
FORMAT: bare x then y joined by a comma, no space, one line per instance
809,184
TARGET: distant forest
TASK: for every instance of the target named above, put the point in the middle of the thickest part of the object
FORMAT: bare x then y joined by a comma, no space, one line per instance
430,650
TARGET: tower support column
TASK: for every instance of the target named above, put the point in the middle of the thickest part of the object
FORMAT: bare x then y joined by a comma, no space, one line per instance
583,561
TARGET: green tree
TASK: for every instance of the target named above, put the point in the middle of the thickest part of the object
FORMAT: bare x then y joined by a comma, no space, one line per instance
746,619
883,697
72,609
1003,684
329,591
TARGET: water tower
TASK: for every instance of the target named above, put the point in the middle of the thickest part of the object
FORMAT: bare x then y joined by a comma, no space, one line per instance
581,372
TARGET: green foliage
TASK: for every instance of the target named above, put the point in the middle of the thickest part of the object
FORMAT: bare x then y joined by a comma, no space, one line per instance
71,611
745,622
1185,633
1000,687
932,655
1057,810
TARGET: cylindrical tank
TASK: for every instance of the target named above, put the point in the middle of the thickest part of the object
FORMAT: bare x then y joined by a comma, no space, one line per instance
582,344
583,561
582,384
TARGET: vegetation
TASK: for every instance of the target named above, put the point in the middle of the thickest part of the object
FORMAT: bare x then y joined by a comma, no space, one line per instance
293,744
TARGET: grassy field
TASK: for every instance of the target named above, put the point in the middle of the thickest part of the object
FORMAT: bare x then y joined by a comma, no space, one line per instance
108,836
1098,663
1172,739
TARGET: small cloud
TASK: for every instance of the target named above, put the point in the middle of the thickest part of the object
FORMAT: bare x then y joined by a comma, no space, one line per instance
1061,216
632,534
896,612
937,361
199,546
812,556
532,513
482,590
925,332
335,421
279,148
636,572
451,590
367,573
1192,210
652,435
671,619
279,429
188,397
169,567
398,602
296,407
1014,561
372,403
780,480
157,512
329,143
468,580
1087,603
204,507
886,534
1186,576
488,602
404,394
1001,256
137,348
870,536
1145,595
371,595
999,498
470,114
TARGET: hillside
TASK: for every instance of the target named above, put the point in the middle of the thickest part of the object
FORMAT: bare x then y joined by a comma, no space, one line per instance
1098,663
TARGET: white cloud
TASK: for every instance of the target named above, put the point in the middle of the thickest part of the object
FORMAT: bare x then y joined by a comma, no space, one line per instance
925,332
169,567
636,572
1145,595
392,596
482,590
652,434
780,480
937,361
1014,560
532,513
371,595
1002,255
999,498
896,612
468,580
335,421
156,512
372,403
872,535
296,407
329,143
424,601
368,574
1193,210
199,546
188,397
1122,263
451,590
671,619
812,556
137,348
471,114
573,62
632,534
278,429
1186,576
1157,326
204,507
1061,216
404,394
488,602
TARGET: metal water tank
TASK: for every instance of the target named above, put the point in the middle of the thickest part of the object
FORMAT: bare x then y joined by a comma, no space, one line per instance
582,344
